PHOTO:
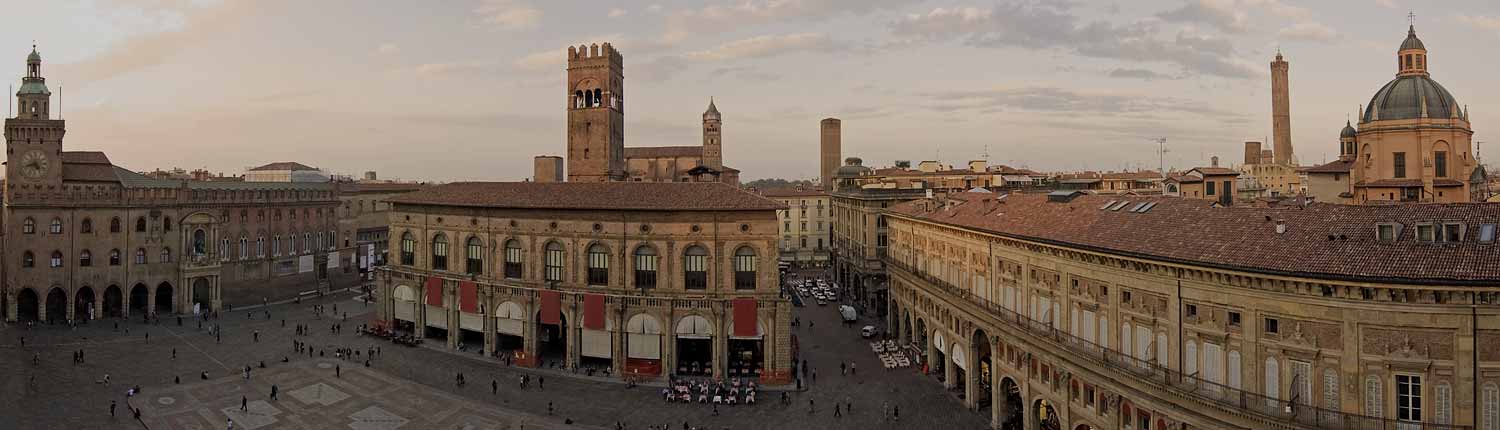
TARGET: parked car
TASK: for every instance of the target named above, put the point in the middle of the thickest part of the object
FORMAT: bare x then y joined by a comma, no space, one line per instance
868,331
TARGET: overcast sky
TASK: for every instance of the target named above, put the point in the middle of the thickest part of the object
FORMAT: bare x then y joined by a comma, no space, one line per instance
472,89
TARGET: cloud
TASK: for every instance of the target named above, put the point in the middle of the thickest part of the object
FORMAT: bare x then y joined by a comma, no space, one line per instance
150,49
454,68
743,74
1309,31
1139,74
1054,27
510,15
1388,4
555,59
1479,22
1055,100
767,46
388,48
1223,14
616,13
723,18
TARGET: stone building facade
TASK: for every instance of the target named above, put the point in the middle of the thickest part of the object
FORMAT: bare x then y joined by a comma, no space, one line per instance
364,220
806,224
87,239
645,279
596,130
1167,313
859,230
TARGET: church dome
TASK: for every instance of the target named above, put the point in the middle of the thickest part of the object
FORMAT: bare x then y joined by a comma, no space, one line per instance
852,168
34,57
1348,131
1412,97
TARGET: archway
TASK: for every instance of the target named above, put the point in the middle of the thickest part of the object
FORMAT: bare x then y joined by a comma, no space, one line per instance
695,346
1083,427
202,295
139,298
643,345
83,304
551,342
57,305
114,301
28,305
164,298
1011,406
1046,416
982,366
509,335
404,307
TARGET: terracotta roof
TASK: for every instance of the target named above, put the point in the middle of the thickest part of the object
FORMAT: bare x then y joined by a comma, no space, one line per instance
1215,171
1447,183
284,165
89,172
379,187
1192,231
1335,166
648,196
663,151
1397,183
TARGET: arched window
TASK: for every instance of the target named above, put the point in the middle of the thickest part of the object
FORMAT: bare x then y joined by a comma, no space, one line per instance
260,247
744,268
28,226
200,242
598,265
166,224
87,226
578,98
114,225
140,256
474,256
555,258
645,267
598,97
56,259
307,243
244,248
56,226
439,252
513,259
166,255
85,258
28,259
275,246
408,249
114,257
695,268
140,225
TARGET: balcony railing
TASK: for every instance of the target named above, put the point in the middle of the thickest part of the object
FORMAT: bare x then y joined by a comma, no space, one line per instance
1173,383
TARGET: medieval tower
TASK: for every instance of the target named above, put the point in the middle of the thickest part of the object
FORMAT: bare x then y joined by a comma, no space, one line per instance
596,114
829,150
713,155
33,139
1281,115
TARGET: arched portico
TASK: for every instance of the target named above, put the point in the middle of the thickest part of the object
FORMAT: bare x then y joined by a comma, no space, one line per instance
114,302
1011,407
1045,416
57,305
165,299
28,306
84,305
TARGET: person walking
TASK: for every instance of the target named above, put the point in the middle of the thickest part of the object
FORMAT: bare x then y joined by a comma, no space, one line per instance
810,407
337,371
836,413
494,386
256,335
841,369
897,412
274,391
541,382
228,426
244,404
851,368
111,408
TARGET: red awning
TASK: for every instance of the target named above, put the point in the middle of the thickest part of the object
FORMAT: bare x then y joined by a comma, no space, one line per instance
744,317
435,291
468,297
593,312
551,307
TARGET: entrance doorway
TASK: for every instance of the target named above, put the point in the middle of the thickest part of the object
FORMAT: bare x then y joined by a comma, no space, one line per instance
202,295
551,342
981,363
1011,407
83,304
28,305
113,301
1046,416
164,298
745,357
57,306
139,299
695,346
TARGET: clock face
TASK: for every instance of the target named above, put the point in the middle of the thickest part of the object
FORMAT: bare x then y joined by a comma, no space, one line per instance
34,164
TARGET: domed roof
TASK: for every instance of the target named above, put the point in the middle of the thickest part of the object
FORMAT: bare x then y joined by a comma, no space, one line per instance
1411,97
852,168
1412,42
34,57
1348,131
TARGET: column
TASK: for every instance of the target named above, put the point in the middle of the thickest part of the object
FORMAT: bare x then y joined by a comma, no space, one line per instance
931,349
489,321
69,303
721,342
997,399
150,302
450,313
971,380
949,371
528,335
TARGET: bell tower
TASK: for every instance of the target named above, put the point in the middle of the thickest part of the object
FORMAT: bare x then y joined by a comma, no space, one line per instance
713,155
33,141
596,114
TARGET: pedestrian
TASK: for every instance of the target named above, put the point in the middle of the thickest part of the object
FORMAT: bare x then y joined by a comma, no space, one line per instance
36,358
256,335
815,376
111,408
174,353
80,352
274,391
337,371
549,408
851,368
848,404
541,381
897,412
494,385
244,404
841,369
836,413
148,337
23,338
810,407
522,381
885,410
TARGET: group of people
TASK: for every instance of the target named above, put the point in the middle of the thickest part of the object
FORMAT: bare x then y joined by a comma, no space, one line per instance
704,391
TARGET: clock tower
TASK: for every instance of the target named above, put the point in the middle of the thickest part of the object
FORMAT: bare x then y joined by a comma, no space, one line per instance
33,140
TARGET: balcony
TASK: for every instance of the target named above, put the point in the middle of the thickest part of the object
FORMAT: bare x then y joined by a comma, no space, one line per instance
1187,391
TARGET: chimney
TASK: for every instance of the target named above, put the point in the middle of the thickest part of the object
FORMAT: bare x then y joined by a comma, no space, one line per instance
1214,161
1280,226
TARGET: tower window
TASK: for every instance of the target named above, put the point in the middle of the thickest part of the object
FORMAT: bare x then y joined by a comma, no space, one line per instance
1398,164
1440,163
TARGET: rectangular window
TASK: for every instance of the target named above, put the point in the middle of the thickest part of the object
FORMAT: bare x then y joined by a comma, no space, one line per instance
1272,326
1425,232
598,268
554,265
1440,163
1409,398
474,258
1387,232
1486,233
744,272
1398,164
645,271
1192,311
1209,188
439,254
695,272
1234,319
513,262
1453,232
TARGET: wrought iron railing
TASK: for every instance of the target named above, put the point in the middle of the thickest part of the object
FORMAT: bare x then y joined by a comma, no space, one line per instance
1191,388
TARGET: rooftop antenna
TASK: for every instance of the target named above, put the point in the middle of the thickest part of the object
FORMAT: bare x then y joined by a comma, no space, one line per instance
59,101
1161,155
9,89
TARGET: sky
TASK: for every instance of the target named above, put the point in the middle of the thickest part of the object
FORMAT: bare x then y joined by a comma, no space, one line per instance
472,89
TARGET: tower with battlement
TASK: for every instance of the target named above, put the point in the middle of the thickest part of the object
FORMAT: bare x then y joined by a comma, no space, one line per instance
596,114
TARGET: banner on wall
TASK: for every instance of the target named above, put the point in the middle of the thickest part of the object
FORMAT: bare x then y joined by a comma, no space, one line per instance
304,264
333,260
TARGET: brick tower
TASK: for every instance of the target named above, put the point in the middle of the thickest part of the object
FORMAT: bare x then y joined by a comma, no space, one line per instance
828,152
713,143
596,114
1281,113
